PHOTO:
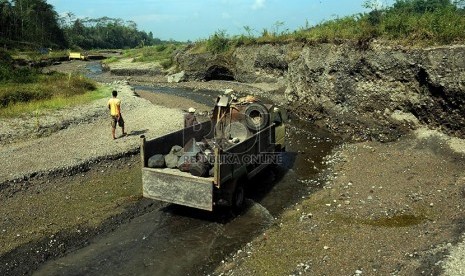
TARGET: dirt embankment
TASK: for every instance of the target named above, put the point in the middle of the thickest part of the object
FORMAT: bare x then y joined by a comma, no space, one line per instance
356,92
385,208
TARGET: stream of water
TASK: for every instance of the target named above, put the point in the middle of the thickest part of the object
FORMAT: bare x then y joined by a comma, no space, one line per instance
176,240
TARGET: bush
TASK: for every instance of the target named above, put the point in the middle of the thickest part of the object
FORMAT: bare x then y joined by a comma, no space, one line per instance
10,74
166,63
111,60
218,42
161,48
17,94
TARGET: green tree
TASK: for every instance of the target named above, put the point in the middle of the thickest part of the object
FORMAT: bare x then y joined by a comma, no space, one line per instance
106,32
31,22
6,19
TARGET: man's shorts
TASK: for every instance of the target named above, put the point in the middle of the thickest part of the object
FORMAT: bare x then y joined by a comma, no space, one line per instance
114,120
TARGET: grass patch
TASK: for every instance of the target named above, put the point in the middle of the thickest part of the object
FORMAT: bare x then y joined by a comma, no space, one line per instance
405,22
37,56
111,60
59,102
199,47
152,54
49,92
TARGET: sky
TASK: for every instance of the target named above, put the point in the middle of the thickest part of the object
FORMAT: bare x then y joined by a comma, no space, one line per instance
192,20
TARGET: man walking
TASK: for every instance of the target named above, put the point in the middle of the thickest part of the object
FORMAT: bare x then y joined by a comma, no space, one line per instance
114,104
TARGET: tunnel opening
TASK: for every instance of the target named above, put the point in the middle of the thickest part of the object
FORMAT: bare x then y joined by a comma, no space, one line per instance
219,73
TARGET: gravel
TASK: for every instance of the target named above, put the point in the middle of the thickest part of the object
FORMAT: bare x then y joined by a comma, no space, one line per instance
88,139
455,262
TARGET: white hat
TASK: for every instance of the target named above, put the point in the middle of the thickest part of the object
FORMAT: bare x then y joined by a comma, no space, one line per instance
191,110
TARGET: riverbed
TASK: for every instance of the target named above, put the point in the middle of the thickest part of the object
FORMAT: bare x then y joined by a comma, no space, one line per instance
80,242
331,209
176,240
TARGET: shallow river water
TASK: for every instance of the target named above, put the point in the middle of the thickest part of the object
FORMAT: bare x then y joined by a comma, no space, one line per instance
176,240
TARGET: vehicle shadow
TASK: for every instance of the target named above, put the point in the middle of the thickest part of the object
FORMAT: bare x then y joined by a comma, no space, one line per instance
221,215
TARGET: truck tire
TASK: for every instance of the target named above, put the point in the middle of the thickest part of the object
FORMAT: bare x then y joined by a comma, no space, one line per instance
238,197
256,116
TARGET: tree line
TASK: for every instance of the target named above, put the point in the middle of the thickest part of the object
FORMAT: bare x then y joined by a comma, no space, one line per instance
105,33
36,24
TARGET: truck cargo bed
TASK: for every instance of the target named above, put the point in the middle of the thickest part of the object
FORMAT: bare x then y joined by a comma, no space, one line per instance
173,185
231,148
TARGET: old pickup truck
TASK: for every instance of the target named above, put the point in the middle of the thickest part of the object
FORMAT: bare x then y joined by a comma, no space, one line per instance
239,140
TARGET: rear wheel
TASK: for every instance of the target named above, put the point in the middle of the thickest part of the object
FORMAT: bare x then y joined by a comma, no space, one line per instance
238,197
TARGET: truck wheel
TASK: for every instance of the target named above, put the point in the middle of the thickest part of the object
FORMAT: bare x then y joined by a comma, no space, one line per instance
256,116
238,197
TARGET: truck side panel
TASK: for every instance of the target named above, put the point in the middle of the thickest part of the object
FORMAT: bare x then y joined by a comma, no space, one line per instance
187,190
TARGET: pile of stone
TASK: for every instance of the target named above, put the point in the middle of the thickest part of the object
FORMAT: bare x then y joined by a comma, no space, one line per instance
195,157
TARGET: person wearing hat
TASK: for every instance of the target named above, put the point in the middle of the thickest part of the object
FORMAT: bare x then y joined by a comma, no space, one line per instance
189,118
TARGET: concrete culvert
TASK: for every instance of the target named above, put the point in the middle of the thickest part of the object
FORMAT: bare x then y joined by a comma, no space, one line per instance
219,73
